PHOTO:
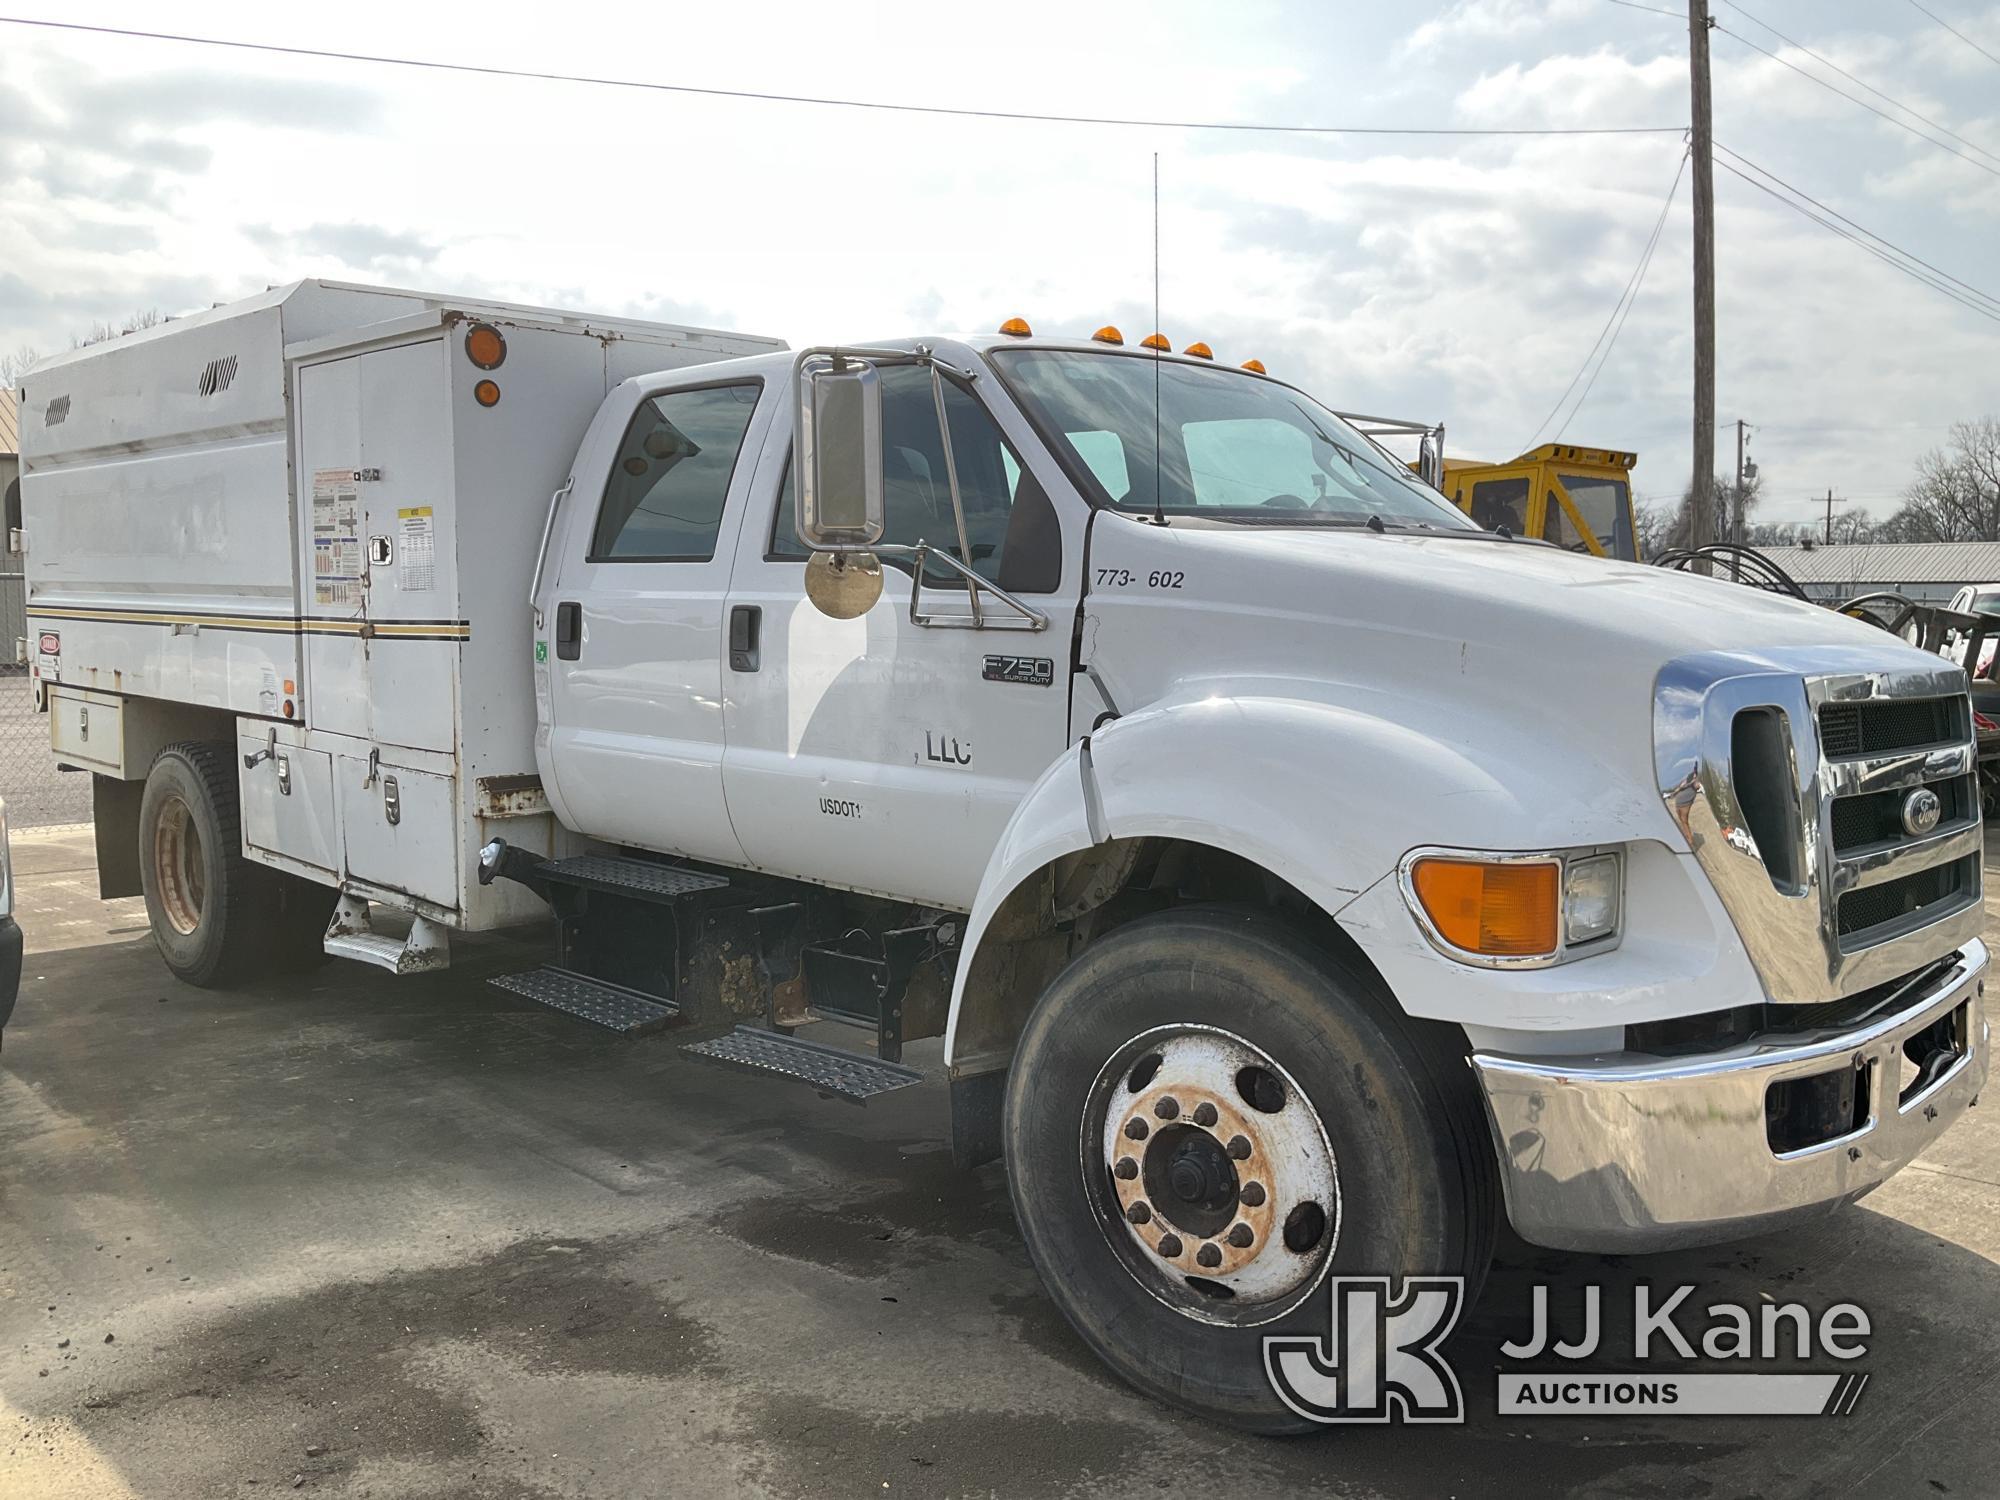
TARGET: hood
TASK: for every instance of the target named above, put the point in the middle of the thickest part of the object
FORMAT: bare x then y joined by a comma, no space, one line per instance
1536,664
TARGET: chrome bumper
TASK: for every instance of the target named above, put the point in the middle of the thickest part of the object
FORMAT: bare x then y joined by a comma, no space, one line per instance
1627,1152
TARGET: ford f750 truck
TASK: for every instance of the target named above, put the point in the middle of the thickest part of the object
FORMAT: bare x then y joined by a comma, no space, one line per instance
1299,876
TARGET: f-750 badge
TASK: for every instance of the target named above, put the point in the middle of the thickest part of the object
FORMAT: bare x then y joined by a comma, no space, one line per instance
1039,671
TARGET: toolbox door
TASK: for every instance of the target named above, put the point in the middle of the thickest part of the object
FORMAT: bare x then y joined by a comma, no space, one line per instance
379,573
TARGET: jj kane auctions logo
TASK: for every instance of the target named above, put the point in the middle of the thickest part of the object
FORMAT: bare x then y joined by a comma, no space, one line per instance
1381,1359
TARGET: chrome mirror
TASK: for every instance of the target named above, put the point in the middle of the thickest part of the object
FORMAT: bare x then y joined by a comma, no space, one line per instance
838,440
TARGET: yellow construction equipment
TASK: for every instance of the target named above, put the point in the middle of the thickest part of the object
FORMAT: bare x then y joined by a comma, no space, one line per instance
1579,498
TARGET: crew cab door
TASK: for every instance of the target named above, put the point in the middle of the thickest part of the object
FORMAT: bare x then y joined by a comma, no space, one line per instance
875,753
634,627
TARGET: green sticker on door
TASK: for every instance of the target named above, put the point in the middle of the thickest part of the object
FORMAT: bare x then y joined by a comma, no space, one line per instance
541,652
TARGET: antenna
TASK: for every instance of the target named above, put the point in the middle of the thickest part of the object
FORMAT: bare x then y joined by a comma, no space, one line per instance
1159,515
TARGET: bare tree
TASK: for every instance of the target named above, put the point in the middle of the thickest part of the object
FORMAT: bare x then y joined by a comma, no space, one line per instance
14,366
1956,494
99,332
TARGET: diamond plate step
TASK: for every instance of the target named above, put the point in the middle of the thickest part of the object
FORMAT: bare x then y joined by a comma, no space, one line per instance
608,1005
846,1075
630,877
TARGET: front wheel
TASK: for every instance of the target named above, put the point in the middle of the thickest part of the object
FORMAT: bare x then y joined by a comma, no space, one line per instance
1207,1117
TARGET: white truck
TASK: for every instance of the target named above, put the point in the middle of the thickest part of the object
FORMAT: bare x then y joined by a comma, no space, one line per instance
1298,876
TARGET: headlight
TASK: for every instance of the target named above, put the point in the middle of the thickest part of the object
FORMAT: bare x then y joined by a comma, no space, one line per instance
1515,910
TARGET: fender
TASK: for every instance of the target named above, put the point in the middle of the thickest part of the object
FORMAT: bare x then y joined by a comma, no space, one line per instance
1317,784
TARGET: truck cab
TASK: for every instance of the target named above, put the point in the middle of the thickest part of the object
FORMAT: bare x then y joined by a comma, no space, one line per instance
1288,874
1577,498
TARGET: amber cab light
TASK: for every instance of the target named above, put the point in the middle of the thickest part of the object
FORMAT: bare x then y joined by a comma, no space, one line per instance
1499,909
1254,366
1107,335
1199,350
1157,341
1017,328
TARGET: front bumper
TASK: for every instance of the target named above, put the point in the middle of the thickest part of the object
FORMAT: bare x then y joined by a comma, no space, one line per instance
1630,1152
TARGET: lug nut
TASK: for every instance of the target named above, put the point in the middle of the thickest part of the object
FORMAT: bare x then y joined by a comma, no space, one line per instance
1127,1169
1242,1236
1252,1194
1168,1107
1135,1129
1209,1255
1139,1213
1170,1247
1239,1147
1204,1113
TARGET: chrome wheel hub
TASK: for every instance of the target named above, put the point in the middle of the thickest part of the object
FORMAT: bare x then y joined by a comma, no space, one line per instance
1218,1172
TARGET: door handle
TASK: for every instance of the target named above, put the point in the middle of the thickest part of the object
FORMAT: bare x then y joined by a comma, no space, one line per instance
746,622
569,630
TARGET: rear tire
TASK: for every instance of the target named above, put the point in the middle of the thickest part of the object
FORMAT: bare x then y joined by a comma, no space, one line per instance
1381,1109
201,894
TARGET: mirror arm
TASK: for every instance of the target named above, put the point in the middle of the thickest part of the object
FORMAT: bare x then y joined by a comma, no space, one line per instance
957,500
922,554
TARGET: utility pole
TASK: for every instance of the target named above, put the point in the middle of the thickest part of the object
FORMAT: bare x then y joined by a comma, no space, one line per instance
1829,517
1736,499
1702,508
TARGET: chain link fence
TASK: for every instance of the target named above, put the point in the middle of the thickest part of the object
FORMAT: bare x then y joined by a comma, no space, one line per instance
38,795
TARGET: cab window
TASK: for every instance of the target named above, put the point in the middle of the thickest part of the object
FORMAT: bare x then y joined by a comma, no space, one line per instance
1558,528
670,481
1501,502
1006,511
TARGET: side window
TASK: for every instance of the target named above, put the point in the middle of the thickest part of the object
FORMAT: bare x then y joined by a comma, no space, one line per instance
1010,524
1501,502
1558,528
664,500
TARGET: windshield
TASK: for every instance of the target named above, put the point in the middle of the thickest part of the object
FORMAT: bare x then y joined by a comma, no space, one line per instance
1230,446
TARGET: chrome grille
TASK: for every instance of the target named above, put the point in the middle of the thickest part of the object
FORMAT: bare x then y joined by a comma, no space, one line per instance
1789,775
1848,730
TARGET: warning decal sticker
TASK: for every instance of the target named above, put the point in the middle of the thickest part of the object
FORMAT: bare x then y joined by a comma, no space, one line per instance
419,549
336,522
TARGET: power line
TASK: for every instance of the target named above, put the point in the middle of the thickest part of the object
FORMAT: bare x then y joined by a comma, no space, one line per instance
1978,306
1957,33
1829,63
825,101
1908,255
1671,15
1855,99
1624,301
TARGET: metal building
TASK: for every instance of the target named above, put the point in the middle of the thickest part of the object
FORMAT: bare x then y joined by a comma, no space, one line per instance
1930,572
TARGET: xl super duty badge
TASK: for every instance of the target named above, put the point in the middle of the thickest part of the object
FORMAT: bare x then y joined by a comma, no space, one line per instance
1040,671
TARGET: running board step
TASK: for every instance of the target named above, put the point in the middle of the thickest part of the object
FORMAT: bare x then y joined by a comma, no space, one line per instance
830,1070
611,1006
638,878
350,935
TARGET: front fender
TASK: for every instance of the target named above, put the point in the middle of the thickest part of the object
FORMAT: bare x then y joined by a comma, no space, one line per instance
1325,794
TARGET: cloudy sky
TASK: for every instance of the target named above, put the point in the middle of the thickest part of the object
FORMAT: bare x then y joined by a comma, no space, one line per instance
1462,279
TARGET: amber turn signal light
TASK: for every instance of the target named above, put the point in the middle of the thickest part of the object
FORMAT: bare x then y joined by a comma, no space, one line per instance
484,346
487,393
1502,909
1017,328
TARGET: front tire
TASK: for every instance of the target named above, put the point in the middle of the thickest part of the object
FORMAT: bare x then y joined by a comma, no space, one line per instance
1207,1116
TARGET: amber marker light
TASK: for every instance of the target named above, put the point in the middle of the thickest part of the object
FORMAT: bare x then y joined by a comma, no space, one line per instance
484,346
1254,366
1497,909
1107,335
1017,328
1199,350
487,393
1158,341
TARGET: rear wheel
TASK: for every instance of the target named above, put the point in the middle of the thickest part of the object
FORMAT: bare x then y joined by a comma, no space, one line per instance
200,891
1206,1118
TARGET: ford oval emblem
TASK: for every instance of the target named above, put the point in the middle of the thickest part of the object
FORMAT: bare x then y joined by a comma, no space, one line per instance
1921,811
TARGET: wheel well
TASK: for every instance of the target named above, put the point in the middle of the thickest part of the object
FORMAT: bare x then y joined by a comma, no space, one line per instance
1075,899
